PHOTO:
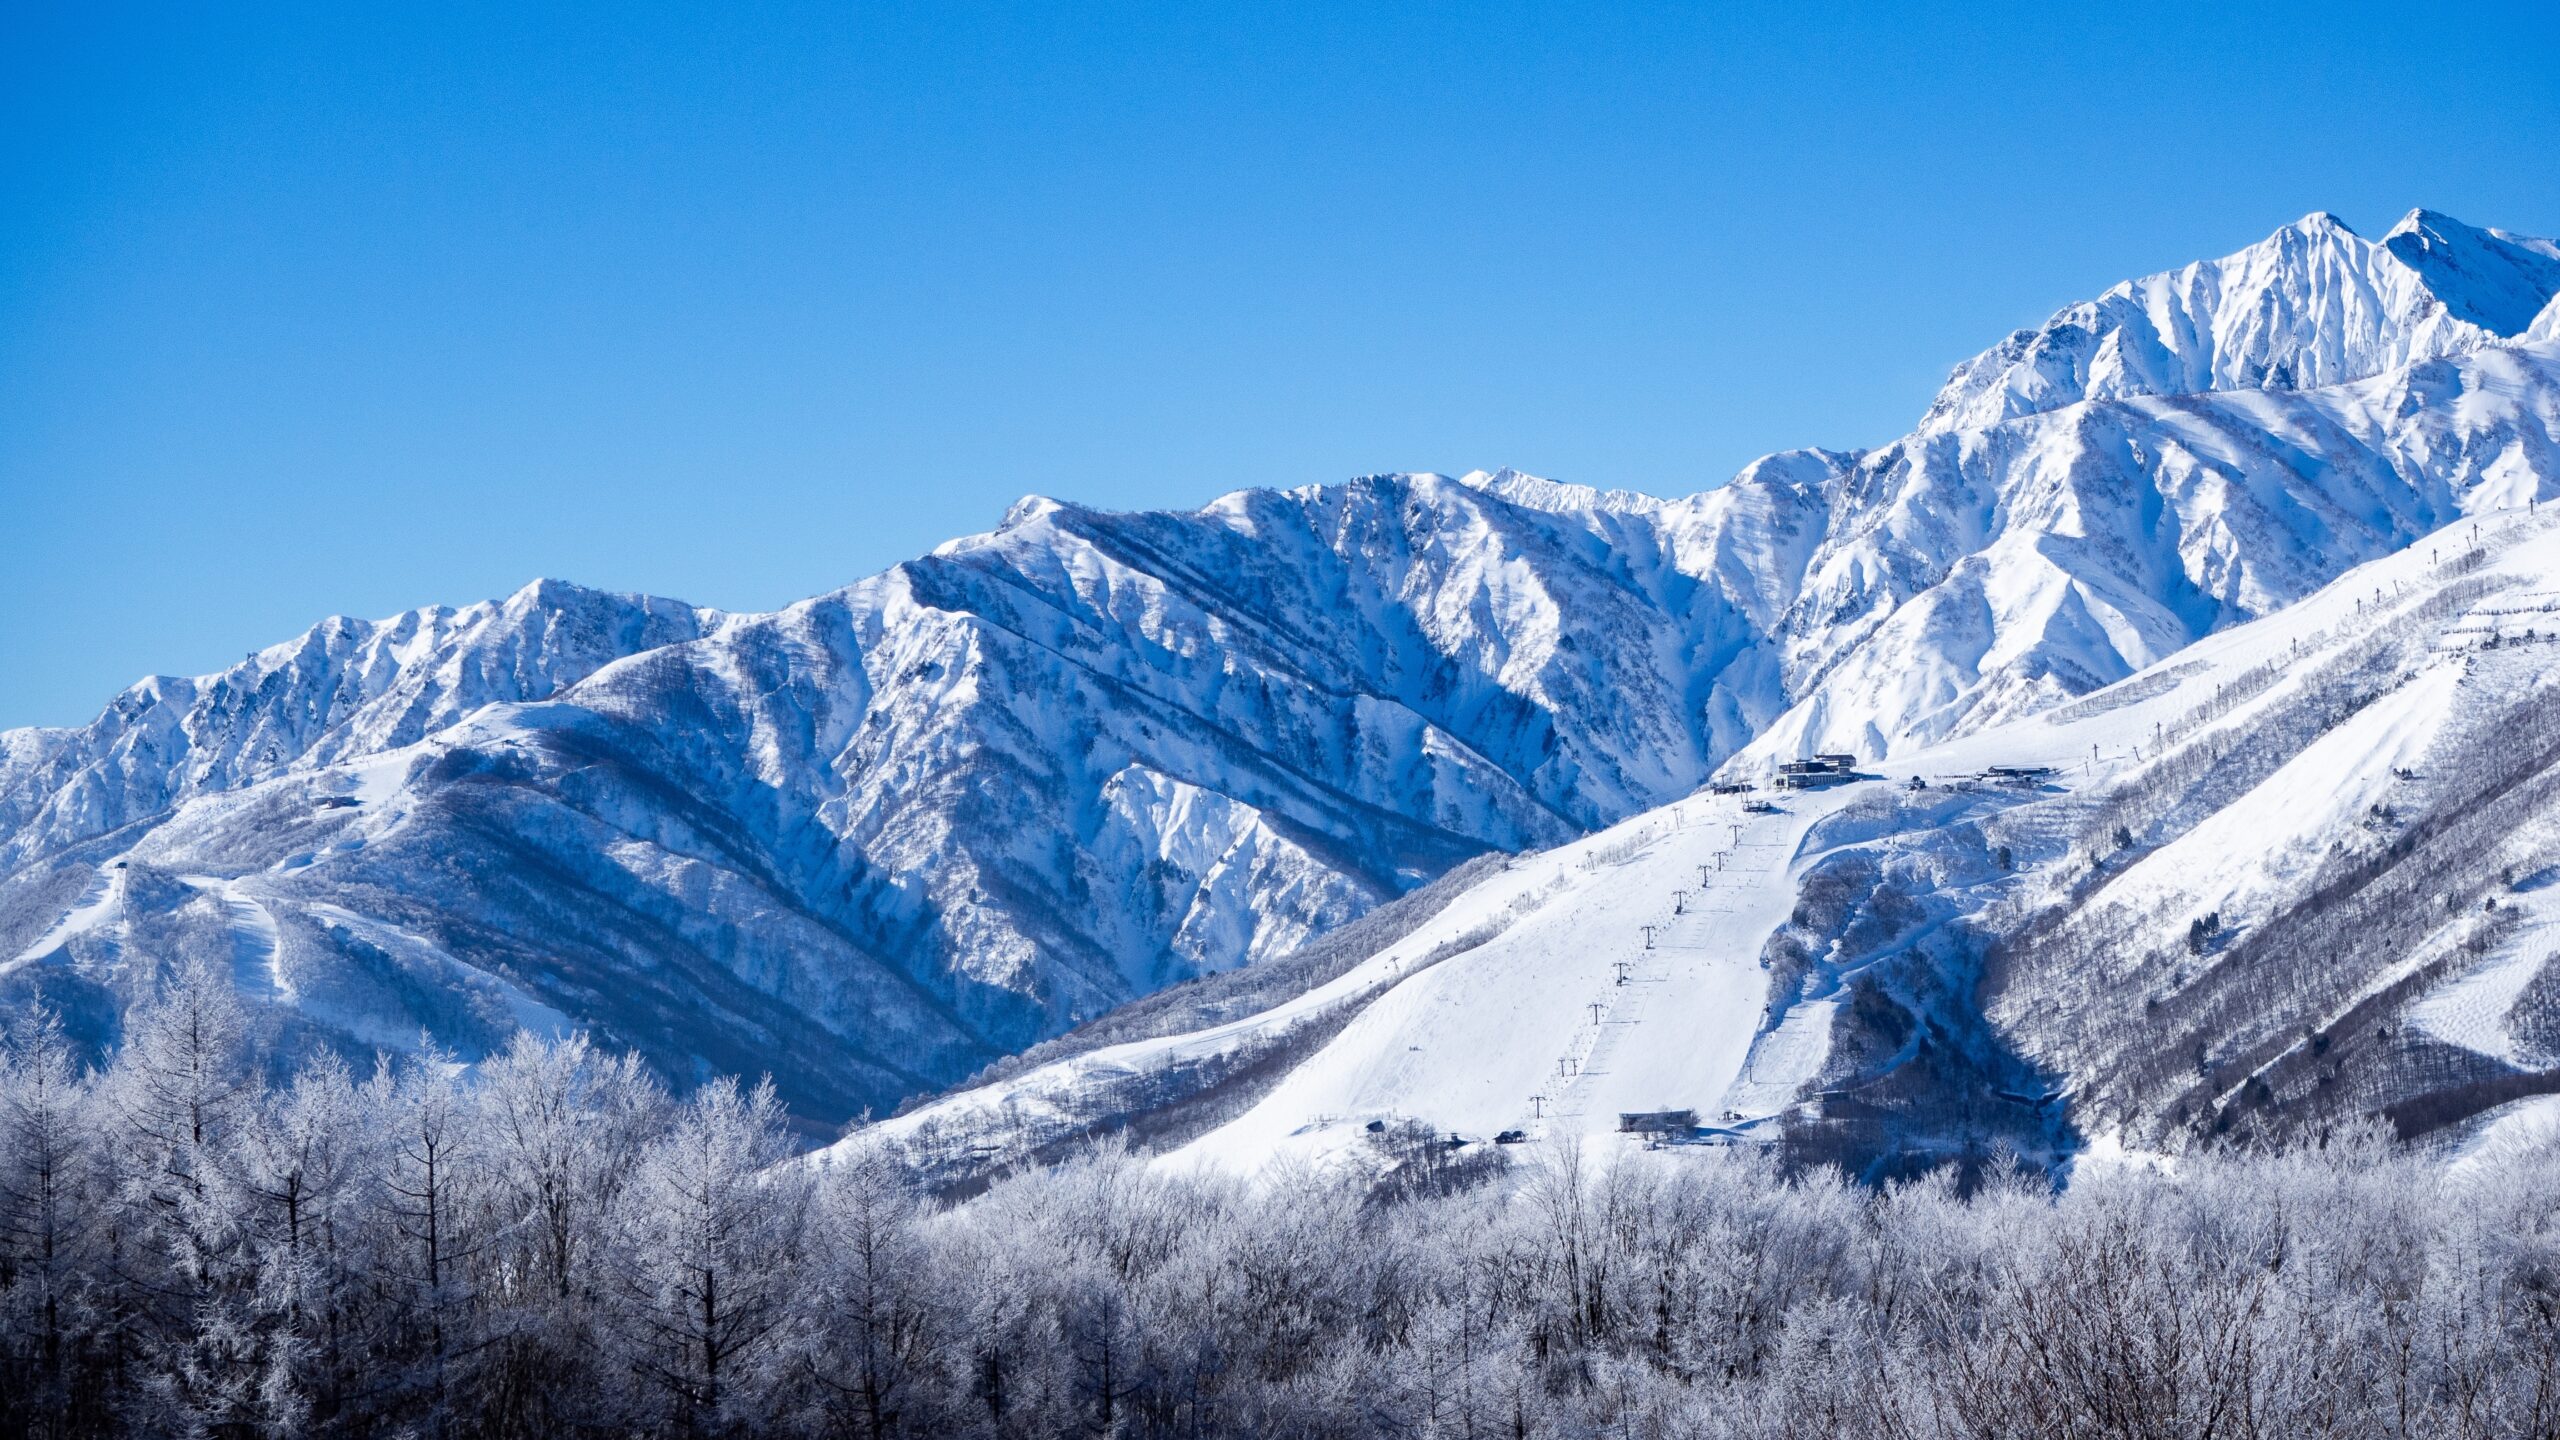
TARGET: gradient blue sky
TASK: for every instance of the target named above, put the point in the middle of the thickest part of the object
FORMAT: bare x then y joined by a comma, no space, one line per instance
343,311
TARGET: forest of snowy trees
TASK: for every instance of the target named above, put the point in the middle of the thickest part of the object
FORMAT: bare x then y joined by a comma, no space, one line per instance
552,1246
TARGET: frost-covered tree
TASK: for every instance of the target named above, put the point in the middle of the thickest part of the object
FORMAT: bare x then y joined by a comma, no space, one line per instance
306,1164
430,1223
878,1318
48,1203
185,1278
541,1244
561,1126
713,1251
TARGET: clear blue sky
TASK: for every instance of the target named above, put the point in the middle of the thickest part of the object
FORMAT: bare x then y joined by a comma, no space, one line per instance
345,312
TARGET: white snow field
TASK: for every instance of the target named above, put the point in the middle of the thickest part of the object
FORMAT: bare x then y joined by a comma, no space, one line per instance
1530,1029
1533,1029
2524,1127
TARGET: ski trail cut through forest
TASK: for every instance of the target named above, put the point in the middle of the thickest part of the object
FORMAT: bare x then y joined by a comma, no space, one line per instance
257,950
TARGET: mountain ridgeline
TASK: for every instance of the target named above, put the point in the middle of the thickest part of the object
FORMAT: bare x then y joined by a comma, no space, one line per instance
872,842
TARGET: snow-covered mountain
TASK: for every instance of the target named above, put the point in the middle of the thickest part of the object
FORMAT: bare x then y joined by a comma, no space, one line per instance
2299,875
2190,450
882,837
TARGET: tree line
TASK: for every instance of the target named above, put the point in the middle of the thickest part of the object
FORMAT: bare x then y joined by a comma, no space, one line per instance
547,1243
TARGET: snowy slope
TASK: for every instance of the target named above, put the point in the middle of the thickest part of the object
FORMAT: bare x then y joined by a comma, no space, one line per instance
876,839
2370,837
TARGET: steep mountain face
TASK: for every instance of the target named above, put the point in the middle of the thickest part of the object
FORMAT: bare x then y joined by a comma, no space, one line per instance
2489,278
874,840
1973,576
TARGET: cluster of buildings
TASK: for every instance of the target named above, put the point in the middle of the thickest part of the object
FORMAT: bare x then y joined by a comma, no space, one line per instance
1820,771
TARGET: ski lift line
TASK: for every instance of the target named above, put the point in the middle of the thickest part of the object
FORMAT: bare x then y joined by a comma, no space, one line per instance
1618,1010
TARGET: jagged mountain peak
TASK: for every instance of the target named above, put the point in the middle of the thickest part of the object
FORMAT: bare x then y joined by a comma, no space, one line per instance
1534,492
2494,279
2313,304
1028,510
343,688
1807,468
